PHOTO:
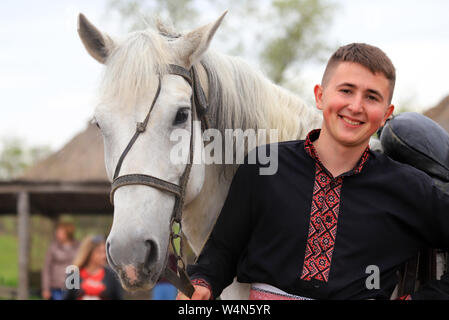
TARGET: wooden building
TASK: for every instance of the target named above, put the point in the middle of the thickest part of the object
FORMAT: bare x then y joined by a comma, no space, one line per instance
70,181
440,113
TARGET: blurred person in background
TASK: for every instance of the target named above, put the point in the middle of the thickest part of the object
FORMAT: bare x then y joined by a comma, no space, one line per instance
59,255
97,280
164,290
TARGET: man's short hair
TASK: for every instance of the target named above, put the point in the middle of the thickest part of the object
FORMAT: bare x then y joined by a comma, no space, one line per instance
366,55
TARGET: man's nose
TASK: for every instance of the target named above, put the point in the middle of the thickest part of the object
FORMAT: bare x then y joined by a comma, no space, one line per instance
356,105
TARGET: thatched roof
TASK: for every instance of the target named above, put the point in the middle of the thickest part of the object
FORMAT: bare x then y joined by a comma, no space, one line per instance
440,113
71,180
80,160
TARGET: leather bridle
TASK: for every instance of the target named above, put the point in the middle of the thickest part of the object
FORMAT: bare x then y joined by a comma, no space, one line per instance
180,278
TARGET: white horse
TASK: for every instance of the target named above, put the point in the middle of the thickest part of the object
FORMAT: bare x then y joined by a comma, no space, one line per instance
238,96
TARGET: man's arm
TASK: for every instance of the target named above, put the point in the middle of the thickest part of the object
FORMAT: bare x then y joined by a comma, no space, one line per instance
217,264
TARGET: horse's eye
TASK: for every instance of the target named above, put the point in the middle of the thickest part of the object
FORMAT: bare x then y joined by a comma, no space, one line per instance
181,116
94,121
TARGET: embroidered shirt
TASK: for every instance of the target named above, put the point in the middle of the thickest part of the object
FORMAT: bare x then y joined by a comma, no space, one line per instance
324,214
312,235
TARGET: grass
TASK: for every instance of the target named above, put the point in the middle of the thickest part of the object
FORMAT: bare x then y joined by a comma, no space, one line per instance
8,260
41,232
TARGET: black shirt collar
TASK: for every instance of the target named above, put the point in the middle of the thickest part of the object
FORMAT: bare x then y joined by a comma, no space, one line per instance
311,151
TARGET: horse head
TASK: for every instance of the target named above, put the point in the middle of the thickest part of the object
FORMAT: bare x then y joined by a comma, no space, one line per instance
135,78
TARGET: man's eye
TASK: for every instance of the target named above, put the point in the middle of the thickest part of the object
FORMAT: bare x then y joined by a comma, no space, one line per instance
346,91
373,98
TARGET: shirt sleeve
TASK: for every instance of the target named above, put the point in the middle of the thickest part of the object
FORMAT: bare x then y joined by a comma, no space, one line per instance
437,217
217,263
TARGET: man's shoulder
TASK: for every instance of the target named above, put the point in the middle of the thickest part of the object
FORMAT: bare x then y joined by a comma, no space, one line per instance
290,144
395,168
268,158
283,147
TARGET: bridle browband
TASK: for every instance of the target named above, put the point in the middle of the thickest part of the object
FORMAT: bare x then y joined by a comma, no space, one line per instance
199,109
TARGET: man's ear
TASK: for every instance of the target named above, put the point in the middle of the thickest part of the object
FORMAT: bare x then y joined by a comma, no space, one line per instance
388,114
318,91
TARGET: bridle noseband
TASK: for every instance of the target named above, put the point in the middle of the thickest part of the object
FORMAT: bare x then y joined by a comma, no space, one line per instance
199,109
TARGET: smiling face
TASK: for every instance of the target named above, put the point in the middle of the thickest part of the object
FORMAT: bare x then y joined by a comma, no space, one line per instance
355,103
98,256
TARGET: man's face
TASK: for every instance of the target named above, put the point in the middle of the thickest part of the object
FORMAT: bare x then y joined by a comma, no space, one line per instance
355,103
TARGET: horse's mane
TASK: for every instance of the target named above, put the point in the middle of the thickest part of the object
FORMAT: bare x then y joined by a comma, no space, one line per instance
242,97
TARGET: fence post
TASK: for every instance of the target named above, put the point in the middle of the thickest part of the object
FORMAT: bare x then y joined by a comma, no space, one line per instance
23,212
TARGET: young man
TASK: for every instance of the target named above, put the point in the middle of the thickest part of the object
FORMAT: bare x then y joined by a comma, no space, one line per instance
334,209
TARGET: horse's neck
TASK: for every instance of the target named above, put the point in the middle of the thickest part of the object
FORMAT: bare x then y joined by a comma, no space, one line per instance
200,215
275,107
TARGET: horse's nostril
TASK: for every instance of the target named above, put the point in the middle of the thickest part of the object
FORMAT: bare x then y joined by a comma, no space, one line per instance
108,255
151,254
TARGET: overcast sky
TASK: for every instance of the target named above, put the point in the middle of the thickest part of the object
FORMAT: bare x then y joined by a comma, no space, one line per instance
48,82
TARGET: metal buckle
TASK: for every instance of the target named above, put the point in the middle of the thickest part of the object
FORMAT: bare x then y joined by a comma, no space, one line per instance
140,127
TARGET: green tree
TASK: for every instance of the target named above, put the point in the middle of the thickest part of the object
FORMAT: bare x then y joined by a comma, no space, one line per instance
280,35
16,156
136,13
301,23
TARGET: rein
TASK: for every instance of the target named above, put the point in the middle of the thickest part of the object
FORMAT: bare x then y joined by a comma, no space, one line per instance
179,278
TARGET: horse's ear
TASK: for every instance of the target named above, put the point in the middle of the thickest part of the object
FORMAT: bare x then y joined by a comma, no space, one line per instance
98,44
196,42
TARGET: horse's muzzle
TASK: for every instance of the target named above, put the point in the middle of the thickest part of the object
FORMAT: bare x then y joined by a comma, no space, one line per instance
138,269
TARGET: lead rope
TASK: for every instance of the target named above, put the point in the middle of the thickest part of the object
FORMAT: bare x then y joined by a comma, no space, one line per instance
180,278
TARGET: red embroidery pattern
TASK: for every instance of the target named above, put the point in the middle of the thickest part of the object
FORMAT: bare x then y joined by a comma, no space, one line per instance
322,227
202,283
324,216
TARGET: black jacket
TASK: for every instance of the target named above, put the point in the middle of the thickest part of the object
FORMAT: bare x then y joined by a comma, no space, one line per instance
387,212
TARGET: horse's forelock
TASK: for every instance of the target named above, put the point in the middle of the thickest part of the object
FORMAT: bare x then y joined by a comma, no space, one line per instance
132,66
166,29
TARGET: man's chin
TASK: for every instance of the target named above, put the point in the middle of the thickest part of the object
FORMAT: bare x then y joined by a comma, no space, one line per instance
353,138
